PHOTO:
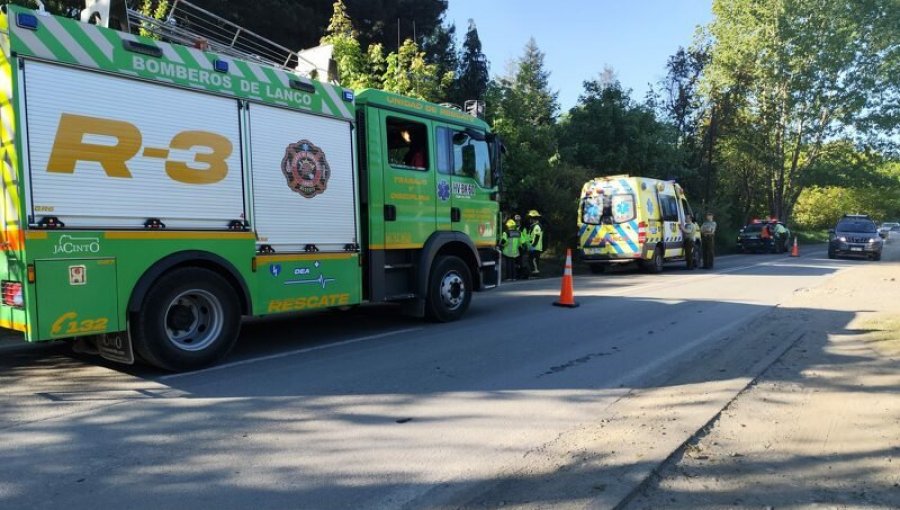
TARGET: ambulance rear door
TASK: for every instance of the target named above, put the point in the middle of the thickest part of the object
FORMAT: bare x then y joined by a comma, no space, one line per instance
672,216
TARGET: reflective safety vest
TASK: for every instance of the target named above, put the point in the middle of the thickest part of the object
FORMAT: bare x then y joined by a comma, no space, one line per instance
535,237
510,241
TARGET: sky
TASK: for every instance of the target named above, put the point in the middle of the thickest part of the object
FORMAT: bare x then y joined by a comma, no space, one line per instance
580,37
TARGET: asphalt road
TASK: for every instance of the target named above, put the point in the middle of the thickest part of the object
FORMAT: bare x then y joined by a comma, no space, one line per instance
370,409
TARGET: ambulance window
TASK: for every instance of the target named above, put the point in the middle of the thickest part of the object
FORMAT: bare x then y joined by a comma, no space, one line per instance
591,208
686,208
472,158
623,208
407,144
668,206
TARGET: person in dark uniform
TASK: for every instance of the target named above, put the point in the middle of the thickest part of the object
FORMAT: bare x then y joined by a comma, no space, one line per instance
687,238
708,239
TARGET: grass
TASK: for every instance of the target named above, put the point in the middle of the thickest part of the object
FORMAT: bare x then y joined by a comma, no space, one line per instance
884,335
812,236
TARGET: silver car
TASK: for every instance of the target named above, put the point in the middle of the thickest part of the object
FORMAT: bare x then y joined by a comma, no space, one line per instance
885,229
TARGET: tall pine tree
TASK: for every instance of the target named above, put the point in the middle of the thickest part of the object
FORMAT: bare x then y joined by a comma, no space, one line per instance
472,78
523,110
440,50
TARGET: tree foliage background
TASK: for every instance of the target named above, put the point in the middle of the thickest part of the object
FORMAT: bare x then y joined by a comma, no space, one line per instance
788,108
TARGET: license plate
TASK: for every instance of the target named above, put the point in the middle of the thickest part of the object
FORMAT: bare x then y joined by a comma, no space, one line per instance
855,248
593,251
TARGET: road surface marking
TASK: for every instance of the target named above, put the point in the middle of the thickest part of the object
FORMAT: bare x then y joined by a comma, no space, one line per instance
289,353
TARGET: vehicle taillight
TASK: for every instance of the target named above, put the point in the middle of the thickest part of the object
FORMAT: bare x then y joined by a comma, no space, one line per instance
642,232
12,294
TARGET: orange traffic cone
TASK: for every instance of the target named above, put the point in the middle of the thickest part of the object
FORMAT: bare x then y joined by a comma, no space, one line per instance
795,251
567,292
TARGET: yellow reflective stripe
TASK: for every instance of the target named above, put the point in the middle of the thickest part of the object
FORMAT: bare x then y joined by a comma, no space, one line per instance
9,160
155,234
304,256
395,246
16,326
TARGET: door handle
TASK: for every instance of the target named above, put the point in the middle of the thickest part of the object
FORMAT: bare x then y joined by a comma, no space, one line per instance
455,214
390,212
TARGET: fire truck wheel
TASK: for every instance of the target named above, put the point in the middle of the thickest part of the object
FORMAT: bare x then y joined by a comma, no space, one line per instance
190,318
449,289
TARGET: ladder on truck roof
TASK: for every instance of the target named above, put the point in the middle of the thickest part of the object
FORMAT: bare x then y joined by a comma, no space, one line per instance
191,25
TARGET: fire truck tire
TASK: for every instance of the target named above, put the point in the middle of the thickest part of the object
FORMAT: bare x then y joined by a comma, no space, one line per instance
190,318
449,289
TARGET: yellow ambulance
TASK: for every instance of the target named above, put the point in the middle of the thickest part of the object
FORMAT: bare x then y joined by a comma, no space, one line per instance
624,219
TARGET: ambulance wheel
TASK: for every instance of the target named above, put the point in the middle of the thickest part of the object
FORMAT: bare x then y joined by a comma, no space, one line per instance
449,289
656,263
597,268
190,318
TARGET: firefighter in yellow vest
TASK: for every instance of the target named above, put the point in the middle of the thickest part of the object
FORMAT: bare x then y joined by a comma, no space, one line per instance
534,241
510,243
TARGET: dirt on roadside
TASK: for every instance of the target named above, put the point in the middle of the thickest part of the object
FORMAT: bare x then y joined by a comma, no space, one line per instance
820,428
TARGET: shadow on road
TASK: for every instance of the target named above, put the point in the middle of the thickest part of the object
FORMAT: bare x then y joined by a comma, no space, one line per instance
274,432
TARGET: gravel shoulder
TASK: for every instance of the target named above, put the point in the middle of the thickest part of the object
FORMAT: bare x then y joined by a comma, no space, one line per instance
820,428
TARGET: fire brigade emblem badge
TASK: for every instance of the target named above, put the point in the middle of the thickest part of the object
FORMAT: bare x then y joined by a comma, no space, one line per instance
305,168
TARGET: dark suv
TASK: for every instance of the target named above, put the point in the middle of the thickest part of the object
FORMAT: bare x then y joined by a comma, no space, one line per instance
855,234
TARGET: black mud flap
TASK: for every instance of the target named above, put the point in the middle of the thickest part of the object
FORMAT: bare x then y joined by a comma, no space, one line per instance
490,268
116,347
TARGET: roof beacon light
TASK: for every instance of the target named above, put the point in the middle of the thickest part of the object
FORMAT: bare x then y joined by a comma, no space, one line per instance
221,65
27,20
348,95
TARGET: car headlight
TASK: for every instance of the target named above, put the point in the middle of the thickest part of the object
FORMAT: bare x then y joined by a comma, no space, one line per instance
874,240
842,239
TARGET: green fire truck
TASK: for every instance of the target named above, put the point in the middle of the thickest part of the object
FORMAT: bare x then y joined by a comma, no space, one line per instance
154,192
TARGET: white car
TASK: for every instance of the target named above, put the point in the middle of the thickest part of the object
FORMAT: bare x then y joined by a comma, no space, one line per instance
886,227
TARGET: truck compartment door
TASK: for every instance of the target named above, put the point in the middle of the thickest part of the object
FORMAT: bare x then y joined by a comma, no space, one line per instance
110,152
302,179
76,297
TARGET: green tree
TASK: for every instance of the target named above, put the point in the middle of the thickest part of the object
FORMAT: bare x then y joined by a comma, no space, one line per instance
156,9
609,133
392,22
354,68
409,74
473,76
68,8
523,110
300,25
440,50
805,72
